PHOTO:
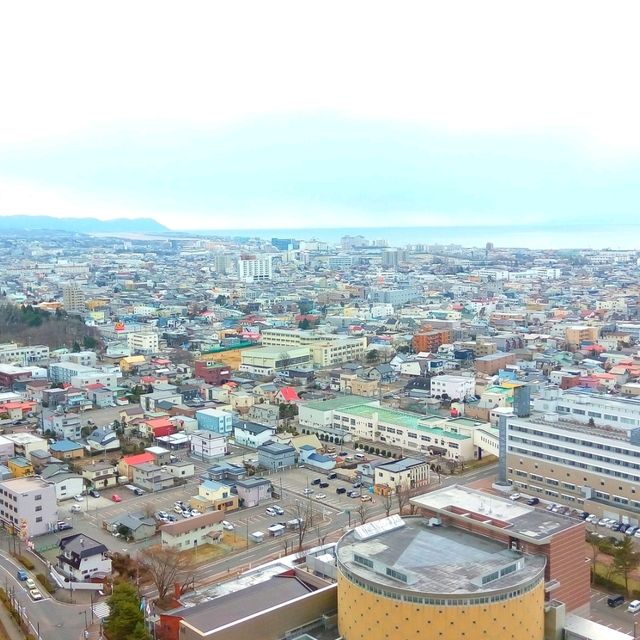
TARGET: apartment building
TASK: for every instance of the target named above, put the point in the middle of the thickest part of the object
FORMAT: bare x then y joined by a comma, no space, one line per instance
85,358
79,375
143,342
11,353
216,421
254,268
267,361
428,340
452,386
595,468
585,407
577,334
28,506
206,445
73,298
403,473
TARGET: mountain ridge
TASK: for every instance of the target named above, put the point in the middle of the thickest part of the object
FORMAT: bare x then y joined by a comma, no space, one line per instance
80,225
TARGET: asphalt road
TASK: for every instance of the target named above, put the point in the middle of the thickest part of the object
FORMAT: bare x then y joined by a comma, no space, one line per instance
55,620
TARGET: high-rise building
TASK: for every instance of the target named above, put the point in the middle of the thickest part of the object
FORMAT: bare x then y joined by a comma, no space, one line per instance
73,297
254,268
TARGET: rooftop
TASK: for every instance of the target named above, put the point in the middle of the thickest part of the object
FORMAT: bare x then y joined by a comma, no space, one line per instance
411,555
340,402
519,520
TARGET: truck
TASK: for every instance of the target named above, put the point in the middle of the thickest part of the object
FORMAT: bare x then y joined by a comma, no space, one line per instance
295,523
276,530
257,536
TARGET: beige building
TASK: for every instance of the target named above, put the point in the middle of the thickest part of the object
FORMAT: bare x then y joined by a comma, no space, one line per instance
193,532
405,473
577,334
73,297
351,383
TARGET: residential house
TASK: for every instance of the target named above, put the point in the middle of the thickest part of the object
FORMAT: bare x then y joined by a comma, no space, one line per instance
139,526
274,456
25,443
161,456
126,464
264,413
20,467
156,427
81,558
39,459
66,450
226,472
249,434
102,440
311,458
287,395
67,484
149,401
217,496
206,445
193,532
215,421
151,477
252,491
100,475
7,449
181,469
99,395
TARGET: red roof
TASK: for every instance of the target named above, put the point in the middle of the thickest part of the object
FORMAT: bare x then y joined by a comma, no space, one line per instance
94,387
154,423
289,394
139,458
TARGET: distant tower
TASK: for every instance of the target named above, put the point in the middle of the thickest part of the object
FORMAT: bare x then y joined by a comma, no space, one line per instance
488,247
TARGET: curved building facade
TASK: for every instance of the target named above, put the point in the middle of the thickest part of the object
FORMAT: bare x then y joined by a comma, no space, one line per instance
401,578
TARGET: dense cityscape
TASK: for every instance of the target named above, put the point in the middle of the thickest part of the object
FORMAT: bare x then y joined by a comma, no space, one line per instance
224,437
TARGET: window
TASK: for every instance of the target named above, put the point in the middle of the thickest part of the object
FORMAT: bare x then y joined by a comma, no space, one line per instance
38,497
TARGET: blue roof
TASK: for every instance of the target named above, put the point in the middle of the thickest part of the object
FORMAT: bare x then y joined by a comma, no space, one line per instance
65,445
306,447
212,484
319,458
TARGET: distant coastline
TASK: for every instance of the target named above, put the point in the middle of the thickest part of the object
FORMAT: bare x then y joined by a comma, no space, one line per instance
566,236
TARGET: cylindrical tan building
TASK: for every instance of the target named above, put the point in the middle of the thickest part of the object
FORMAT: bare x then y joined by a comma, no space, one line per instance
400,578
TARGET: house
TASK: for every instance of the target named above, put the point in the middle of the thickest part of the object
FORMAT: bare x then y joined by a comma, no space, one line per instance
156,427
311,458
161,456
193,532
274,455
268,414
125,466
103,439
66,483
149,401
404,473
7,449
66,450
215,421
99,395
207,445
249,434
100,475
252,491
226,472
138,525
151,477
181,469
287,395
82,557
217,495
20,467
39,458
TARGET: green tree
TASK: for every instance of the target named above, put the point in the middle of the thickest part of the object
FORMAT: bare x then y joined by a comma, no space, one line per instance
625,560
126,620
76,347
304,324
89,342
373,355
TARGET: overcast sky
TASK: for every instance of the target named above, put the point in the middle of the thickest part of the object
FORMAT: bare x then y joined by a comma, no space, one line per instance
289,114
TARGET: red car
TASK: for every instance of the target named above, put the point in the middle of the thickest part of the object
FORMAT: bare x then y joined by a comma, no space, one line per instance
116,498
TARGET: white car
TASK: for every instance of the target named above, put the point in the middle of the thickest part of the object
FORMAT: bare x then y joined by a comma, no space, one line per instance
75,508
321,496
308,491
270,511
78,498
31,584
227,526
515,496
35,594
195,512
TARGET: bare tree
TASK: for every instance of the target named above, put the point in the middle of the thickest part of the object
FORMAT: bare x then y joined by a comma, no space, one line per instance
594,541
305,516
387,502
403,495
165,566
364,512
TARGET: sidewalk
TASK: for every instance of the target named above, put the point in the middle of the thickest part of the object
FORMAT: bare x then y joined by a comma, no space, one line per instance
10,627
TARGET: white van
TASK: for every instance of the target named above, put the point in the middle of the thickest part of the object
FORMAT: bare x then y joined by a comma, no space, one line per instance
360,456
634,606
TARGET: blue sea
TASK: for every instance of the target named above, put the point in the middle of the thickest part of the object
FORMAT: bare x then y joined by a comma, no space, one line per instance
522,236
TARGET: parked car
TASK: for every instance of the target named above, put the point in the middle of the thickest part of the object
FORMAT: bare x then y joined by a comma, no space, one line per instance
94,494
78,498
323,485
21,574
366,498
278,509
341,490
615,601
178,509
353,494
357,485
116,498
227,526
321,496
270,511
75,508
532,501
316,481
308,491
63,526
31,584
332,476
515,496
138,491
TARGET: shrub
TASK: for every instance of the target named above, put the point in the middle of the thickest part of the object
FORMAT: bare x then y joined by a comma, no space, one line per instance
48,585
26,562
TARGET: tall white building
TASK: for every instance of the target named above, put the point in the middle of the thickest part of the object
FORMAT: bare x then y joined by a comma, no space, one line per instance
254,268
28,505
143,342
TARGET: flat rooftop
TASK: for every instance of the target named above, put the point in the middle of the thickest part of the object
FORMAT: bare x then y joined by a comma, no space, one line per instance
435,560
514,517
